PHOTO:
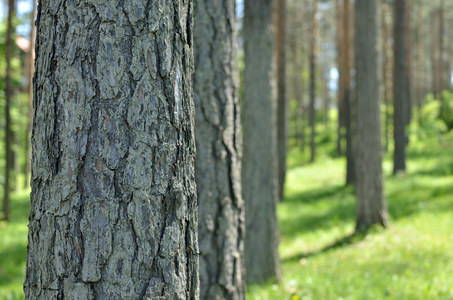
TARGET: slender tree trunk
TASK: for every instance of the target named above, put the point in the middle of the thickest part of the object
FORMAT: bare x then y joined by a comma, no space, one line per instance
434,56
259,180
409,58
442,62
31,70
313,55
420,58
340,84
371,205
10,31
113,202
387,72
298,86
282,105
218,139
400,88
350,164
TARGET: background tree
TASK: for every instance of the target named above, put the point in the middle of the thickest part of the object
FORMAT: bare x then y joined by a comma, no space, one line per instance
259,176
10,34
113,202
282,105
371,207
313,55
400,87
219,145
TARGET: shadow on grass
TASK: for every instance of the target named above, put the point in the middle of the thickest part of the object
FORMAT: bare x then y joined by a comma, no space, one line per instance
342,242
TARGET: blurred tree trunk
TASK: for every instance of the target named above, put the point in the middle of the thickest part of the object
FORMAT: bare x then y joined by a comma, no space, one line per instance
340,84
313,56
350,159
371,205
420,58
30,70
9,159
387,71
218,141
259,180
434,54
282,105
113,203
409,58
400,87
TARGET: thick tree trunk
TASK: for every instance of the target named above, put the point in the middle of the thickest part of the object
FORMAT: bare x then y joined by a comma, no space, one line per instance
9,159
113,202
313,54
282,105
371,206
218,139
31,70
399,88
348,106
259,180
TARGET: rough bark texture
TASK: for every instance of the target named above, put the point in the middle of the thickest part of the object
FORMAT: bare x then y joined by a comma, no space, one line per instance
218,140
313,55
259,179
282,105
9,159
371,207
399,88
113,202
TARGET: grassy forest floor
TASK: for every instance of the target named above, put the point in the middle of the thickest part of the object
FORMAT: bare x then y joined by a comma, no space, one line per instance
412,259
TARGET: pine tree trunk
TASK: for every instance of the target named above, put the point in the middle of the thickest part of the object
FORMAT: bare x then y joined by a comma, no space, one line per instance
340,84
259,180
218,139
371,206
31,70
313,54
387,70
113,202
409,58
9,159
420,59
399,88
282,105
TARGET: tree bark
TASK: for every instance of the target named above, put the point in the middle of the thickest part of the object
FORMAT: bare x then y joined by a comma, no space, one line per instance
313,55
219,147
400,88
371,206
282,105
113,202
259,180
9,159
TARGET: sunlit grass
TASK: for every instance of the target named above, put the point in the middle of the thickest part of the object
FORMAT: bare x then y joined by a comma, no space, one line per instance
412,259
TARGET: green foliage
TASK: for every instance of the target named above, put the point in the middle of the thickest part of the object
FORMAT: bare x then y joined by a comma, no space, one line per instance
410,260
446,113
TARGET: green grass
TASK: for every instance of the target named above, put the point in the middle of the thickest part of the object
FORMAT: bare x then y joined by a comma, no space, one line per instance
13,248
412,259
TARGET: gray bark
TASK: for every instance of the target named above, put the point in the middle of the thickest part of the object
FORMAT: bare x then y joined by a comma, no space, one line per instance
219,147
400,87
371,205
282,105
113,202
259,180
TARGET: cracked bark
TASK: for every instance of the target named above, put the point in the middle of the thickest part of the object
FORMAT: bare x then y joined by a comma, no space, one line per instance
113,202
218,141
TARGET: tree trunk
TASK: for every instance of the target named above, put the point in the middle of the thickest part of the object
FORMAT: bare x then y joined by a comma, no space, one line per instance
9,159
313,54
350,163
113,202
409,58
387,72
282,105
218,139
31,70
399,88
371,206
340,84
434,56
420,59
259,180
